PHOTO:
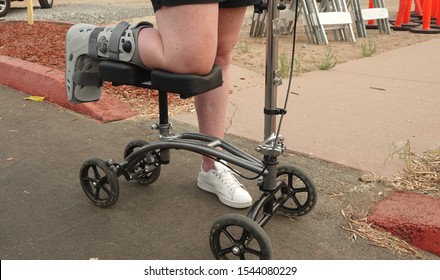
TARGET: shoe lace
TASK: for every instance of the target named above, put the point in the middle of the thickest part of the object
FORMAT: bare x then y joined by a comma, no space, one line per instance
230,181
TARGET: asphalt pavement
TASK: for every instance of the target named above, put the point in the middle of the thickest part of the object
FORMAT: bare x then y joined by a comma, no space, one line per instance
46,215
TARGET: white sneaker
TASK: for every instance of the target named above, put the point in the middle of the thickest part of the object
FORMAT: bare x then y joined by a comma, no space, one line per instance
223,183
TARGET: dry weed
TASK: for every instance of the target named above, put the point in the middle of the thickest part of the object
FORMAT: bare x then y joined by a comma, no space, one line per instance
360,227
421,175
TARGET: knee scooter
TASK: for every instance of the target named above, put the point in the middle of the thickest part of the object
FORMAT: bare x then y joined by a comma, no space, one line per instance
284,189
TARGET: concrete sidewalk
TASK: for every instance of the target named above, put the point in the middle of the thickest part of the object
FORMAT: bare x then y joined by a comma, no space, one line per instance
353,113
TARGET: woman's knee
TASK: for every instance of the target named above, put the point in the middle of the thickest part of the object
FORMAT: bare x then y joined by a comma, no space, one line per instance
223,59
157,52
199,63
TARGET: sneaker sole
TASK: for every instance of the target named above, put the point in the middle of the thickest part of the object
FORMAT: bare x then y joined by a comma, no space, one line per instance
202,185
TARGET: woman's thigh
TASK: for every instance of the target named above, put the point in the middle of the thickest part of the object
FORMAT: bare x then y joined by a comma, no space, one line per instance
229,26
189,33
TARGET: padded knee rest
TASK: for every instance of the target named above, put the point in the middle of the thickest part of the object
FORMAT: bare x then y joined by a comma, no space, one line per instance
186,85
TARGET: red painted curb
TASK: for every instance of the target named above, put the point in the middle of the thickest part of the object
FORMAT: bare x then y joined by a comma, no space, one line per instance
411,216
43,81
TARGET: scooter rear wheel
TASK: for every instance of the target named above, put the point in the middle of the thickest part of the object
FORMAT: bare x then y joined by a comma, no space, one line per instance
148,169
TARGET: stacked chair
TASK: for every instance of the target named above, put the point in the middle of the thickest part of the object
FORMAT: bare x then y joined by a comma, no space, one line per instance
321,18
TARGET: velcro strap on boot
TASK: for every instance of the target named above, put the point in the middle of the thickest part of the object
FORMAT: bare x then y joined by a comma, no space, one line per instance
113,43
87,78
93,42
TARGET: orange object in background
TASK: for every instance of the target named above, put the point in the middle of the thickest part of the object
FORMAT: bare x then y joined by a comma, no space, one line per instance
404,5
428,13
371,5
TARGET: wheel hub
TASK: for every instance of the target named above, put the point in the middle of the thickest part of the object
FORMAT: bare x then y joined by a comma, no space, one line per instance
236,251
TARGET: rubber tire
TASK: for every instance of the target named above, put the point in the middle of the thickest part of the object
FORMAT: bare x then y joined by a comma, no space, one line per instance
253,230
150,177
6,8
99,166
309,185
46,4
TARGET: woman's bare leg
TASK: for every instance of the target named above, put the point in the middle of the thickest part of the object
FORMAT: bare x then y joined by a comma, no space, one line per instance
185,43
211,113
212,106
